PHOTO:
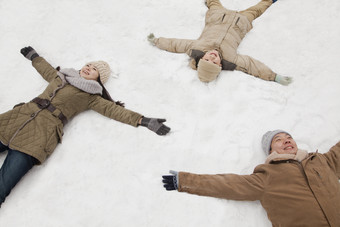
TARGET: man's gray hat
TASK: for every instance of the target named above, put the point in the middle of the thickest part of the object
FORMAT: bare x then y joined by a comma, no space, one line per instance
268,137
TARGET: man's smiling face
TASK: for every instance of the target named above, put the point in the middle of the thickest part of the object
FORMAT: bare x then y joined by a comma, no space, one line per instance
283,143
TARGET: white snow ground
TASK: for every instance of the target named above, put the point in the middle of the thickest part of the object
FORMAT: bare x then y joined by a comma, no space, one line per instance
109,174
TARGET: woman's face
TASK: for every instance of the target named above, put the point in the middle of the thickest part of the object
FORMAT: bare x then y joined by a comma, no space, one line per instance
213,57
89,72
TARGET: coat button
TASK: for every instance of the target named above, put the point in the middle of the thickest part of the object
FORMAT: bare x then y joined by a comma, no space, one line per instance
51,94
33,115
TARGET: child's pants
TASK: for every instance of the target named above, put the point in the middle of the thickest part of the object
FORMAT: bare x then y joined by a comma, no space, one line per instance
15,166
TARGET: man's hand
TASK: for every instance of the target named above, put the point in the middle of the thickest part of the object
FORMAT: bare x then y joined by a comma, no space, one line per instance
170,181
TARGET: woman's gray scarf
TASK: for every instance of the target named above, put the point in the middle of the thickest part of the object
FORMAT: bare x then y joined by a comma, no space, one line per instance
73,77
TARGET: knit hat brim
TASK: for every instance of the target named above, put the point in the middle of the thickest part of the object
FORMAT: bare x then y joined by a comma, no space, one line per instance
267,139
207,71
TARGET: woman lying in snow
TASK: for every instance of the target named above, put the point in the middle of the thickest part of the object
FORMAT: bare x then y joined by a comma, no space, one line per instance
31,131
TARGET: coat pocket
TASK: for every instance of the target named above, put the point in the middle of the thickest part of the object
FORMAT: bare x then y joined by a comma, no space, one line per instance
327,180
53,139
239,28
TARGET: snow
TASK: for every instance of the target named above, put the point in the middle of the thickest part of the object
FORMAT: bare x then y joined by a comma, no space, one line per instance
109,174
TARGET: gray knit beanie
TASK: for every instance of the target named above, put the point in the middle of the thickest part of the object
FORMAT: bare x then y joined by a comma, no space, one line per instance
267,139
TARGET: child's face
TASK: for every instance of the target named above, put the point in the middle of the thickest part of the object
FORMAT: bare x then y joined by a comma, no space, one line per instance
89,72
213,57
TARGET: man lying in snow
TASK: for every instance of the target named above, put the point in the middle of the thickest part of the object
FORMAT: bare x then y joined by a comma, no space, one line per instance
296,188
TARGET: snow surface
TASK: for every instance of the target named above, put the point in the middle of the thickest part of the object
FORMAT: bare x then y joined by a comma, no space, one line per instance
109,174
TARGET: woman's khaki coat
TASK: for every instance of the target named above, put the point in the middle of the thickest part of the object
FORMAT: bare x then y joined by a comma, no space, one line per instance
224,30
292,193
37,132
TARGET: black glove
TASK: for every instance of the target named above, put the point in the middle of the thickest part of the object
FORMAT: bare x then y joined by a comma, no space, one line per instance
29,53
170,182
156,125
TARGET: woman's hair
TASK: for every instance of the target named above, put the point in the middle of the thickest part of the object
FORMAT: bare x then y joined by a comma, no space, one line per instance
107,96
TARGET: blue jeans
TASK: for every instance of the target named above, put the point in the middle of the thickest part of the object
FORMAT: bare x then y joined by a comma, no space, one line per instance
15,166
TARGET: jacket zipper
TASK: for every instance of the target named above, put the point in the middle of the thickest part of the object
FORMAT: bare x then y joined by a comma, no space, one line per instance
304,173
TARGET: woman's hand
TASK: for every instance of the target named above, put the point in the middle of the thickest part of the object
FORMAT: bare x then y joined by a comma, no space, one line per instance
156,125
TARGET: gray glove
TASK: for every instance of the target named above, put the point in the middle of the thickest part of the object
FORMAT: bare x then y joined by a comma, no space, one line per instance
152,39
284,80
156,125
29,53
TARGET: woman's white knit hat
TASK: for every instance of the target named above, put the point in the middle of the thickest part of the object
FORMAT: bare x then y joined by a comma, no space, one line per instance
103,69
267,139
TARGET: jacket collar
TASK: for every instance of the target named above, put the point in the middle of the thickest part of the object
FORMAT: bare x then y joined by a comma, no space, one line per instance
276,157
198,54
